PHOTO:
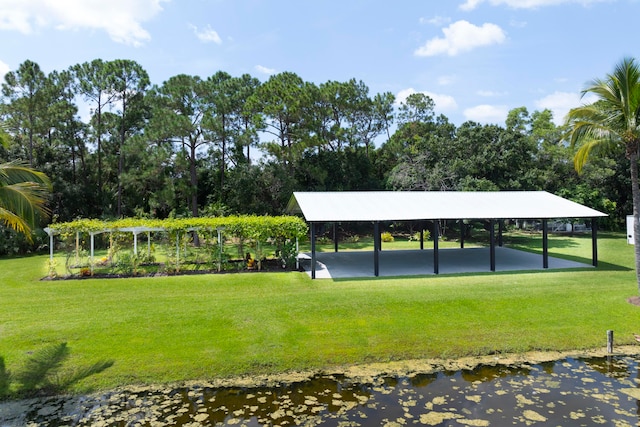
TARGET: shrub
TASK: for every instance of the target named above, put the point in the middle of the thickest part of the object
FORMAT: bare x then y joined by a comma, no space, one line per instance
352,239
287,254
386,237
14,243
416,236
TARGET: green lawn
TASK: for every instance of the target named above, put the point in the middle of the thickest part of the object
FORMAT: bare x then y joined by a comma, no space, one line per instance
167,329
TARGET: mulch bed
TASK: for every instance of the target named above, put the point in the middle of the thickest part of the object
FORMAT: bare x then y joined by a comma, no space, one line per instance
268,266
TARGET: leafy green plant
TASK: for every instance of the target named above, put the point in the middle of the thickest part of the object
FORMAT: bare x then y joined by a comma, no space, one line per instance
125,264
323,240
145,258
352,239
386,237
52,268
287,254
416,236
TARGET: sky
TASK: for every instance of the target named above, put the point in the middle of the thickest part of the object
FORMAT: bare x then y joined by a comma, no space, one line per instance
477,59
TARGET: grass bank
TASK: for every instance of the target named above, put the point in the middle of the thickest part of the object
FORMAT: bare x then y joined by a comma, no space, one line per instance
167,329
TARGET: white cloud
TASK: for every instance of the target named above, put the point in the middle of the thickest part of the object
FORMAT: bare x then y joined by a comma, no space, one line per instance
470,4
490,93
446,80
462,36
487,114
517,24
561,102
121,19
523,4
443,102
264,70
436,20
4,69
207,34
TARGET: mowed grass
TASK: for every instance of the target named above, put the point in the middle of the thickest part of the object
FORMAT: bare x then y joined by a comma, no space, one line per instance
167,329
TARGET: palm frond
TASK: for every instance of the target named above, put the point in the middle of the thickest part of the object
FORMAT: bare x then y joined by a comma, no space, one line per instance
24,194
582,154
14,172
13,221
612,119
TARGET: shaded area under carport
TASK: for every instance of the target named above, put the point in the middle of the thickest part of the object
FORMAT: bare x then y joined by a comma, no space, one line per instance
353,264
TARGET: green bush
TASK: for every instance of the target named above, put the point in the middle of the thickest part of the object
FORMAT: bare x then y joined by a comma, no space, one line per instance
386,237
352,239
287,254
416,236
14,243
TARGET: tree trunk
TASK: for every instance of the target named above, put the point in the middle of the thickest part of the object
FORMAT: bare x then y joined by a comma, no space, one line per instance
194,189
99,147
31,145
194,180
223,162
121,155
635,192
73,163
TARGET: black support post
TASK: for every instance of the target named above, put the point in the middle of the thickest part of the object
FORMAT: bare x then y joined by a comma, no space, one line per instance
492,245
594,242
312,226
335,237
462,232
545,244
421,238
436,255
376,246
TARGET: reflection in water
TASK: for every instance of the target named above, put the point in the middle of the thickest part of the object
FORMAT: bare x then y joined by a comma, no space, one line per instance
567,392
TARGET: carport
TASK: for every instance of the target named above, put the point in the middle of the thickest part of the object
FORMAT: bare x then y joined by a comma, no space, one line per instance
494,206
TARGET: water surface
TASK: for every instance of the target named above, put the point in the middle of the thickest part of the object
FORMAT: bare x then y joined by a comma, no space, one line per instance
590,392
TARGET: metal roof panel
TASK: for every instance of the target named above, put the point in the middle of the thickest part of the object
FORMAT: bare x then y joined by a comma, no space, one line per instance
416,205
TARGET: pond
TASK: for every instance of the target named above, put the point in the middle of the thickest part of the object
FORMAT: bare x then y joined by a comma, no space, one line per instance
572,391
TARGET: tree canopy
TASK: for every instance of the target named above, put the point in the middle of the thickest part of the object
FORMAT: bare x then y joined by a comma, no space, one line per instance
223,144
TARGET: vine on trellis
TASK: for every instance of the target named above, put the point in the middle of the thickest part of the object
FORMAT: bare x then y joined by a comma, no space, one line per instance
256,232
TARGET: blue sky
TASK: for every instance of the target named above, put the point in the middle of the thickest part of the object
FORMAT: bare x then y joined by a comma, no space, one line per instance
476,58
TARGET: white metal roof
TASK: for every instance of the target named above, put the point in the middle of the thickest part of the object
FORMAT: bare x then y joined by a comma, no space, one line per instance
418,205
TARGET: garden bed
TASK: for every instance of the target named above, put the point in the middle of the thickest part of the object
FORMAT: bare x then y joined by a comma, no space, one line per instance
161,269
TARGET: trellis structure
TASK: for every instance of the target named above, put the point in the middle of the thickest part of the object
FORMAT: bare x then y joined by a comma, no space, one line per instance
258,228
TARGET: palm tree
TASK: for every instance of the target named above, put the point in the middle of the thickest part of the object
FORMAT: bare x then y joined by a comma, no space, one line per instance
23,196
613,121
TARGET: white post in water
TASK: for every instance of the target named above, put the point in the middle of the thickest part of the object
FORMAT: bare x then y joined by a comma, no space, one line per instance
609,341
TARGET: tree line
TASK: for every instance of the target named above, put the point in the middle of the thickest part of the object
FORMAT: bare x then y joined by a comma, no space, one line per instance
195,146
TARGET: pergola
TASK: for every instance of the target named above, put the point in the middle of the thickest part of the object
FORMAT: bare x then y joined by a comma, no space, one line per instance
381,206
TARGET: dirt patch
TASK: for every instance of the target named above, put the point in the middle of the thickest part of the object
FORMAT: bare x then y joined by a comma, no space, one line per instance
634,300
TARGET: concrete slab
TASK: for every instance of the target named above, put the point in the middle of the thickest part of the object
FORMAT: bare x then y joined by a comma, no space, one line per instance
351,264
